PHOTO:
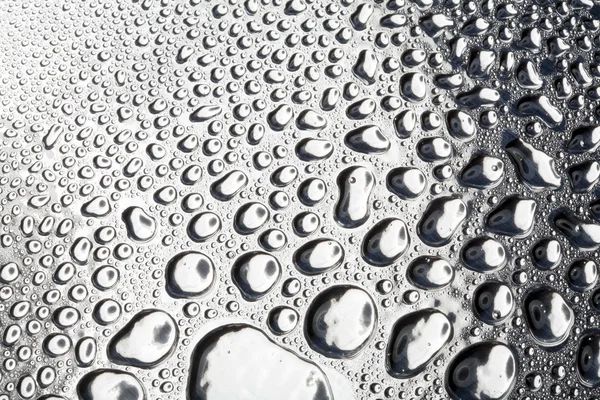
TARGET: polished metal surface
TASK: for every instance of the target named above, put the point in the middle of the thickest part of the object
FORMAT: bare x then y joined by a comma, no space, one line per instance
299,199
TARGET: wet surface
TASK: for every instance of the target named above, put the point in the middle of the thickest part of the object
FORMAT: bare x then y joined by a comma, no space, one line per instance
303,199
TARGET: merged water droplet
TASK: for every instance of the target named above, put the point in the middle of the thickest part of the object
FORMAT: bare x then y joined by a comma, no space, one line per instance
226,187
416,339
485,370
368,140
588,354
582,234
255,274
283,320
483,255
105,384
413,87
148,339
493,302
430,273
141,227
250,217
355,187
584,139
548,316
226,360
536,169
440,220
406,183
340,321
514,217
189,274
582,275
318,256
546,254
204,226
385,242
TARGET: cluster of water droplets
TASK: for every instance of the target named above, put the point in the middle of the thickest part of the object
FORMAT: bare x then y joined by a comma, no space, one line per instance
302,199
